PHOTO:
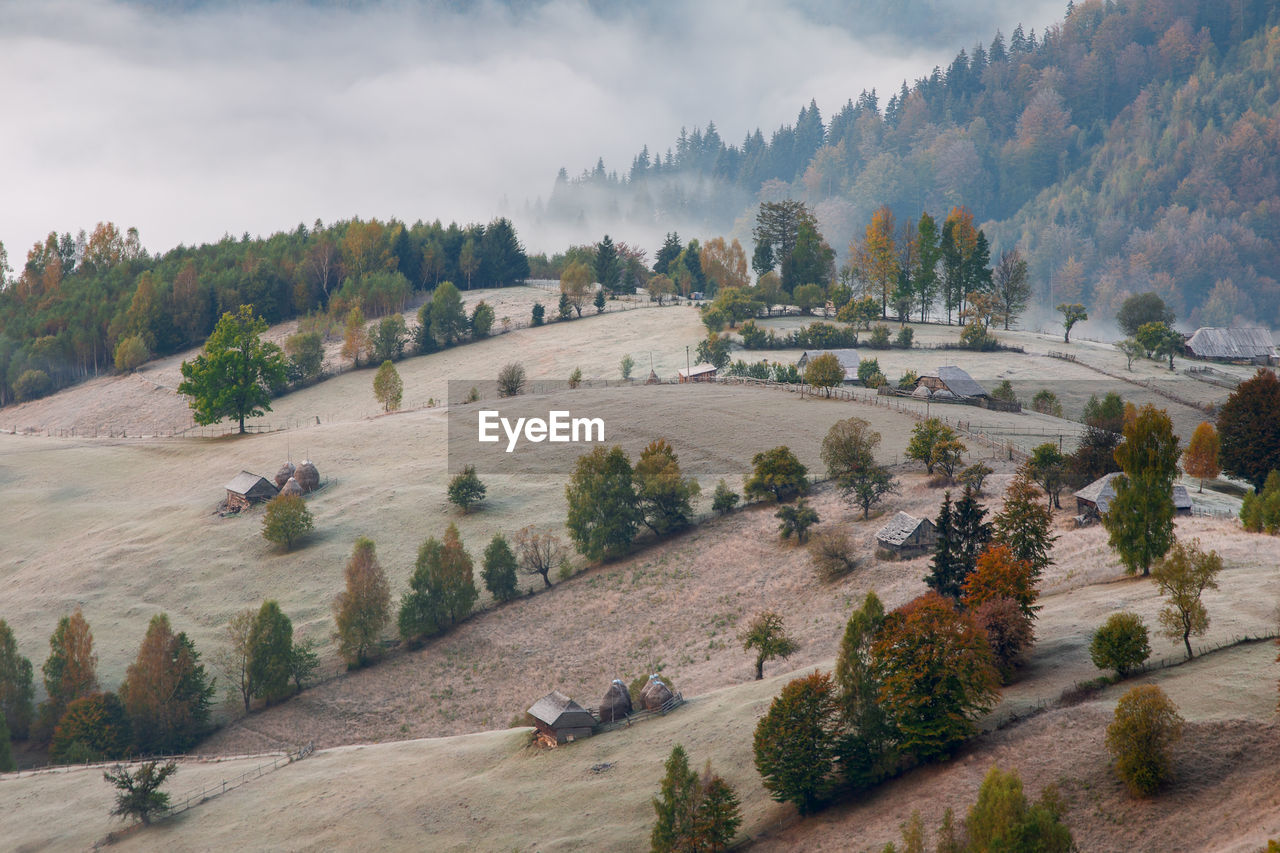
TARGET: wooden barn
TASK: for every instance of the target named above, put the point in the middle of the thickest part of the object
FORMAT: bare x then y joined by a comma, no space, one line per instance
906,536
698,373
559,719
848,359
1255,346
1095,499
953,381
248,489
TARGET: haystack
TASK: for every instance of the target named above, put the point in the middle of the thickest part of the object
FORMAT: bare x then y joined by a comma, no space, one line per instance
655,694
292,487
285,472
616,704
307,476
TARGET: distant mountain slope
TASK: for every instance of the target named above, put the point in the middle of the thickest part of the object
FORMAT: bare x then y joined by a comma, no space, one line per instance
1133,146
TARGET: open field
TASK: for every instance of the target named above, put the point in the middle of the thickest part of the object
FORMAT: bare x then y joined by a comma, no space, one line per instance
127,527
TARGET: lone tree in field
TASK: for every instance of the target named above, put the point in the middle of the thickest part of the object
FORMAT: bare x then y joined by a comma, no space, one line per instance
1183,576
777,475
1249,428
362,610
511,379
724,499
824,372
1071,314
499,571
139,793
388,387
796,518
539,553
234,376
848,450
286,520
604,509
1139,738
1139,522
465,489
666,496
1120,644
797,742
768,636
1200,460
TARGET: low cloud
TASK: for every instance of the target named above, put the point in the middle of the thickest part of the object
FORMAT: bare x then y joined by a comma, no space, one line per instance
205,119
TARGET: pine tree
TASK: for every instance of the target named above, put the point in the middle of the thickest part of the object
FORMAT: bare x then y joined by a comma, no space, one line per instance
16,690
1024,524
972,532
946,573
675,806
866,748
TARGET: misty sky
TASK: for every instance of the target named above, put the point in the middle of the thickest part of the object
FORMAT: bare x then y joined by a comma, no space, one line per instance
190,119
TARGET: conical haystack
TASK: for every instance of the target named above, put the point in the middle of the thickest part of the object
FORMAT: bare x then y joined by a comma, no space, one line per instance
285,472
291,487
616,704
307,476
655,694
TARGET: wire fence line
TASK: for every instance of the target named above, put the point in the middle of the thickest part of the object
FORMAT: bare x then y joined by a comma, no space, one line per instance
209,792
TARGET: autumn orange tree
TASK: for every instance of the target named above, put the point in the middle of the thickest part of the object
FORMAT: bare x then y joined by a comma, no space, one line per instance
166,693
70,671
94,727
876,257
1000,574
936,673
362,609
1200,459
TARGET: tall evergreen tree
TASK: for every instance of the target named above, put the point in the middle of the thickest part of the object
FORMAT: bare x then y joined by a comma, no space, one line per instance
608,266
866,747
924,277
670,250
946,575
16,690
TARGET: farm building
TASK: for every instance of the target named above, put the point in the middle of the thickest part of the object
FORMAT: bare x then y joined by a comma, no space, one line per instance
698,373
951,381
248,489
559,719
848,359
1095,499
1252,345
907,536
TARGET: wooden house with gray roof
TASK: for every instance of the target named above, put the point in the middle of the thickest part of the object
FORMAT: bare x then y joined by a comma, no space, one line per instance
1095,499
1255,345
848,359
559,719
906,536
247,489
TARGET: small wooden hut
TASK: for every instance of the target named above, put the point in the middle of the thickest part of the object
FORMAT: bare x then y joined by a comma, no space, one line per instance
248,489
698,373
906,536
559,719
952,380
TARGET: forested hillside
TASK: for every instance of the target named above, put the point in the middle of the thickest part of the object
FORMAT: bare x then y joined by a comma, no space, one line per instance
1131,147
65,312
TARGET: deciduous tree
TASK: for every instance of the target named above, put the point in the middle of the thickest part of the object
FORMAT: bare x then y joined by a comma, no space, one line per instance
1120,644
1141,309
539,553
604,509
1200,459
866,747
796,518
1249,429
767,635
286,520
776,475
511,379
1072,313
442,589
70,671
796,742
1139,521
448,316
165,693
235,374
361,611
388,388
1182,576
665,495
499,570
16,690
1011,286
139,793
93,728
1139,739
270,647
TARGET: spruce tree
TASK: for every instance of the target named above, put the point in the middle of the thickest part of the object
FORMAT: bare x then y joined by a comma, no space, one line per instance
499,572
16,690
675,805
1024,524
946,576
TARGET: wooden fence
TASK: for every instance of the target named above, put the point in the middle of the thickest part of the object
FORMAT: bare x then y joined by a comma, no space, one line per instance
192,800
636,716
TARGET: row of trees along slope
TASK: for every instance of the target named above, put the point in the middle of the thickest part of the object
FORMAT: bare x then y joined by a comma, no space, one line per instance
80,301
1122,150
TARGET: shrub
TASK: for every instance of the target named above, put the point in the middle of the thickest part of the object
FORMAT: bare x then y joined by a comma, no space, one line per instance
974,476
31,385
867,368
286,520
1120,644
511,379
1046,403
1008,631
539,314
1002,819
1004,392
906,336
724,499
879,337
832,554
975,337
908,380
626,366
575,378
796,518
465,489
131,352
482,317
1145,726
